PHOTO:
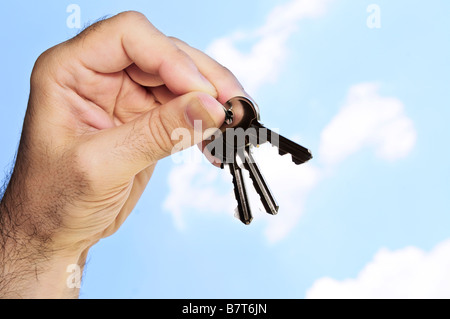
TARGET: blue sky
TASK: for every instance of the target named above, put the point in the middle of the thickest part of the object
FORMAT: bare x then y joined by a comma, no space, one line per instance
368,217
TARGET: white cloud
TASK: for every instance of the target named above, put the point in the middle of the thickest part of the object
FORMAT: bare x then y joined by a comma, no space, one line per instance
368,119
290,184
263,62
407,273
196,185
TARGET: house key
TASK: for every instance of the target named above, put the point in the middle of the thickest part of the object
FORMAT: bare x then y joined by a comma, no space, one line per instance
241,132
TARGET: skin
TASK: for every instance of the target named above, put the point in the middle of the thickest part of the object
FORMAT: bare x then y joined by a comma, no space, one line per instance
101,112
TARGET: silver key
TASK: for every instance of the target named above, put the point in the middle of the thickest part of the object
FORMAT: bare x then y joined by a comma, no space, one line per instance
240,132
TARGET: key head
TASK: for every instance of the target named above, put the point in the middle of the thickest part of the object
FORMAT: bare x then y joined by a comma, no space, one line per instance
244,113
240,113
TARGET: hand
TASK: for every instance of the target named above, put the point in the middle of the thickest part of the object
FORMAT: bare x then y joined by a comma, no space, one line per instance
101,113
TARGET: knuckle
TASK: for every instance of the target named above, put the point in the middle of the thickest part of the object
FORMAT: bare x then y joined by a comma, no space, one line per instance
132,15
42,68
179,55
175,57
195,97
179,50
177,41
160,136
131,19
224,70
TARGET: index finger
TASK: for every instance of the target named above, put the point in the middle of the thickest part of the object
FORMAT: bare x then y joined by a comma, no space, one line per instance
114,44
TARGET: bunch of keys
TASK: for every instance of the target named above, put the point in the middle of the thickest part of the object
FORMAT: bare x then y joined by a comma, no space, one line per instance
241,131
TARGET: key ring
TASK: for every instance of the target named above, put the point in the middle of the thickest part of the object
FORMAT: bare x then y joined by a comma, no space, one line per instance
240,111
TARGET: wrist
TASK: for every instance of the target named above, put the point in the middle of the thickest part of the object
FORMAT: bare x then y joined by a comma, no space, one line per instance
34,277
30,273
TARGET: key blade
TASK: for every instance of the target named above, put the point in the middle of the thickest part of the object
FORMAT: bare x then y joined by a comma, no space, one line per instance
245,214
285,146
260,184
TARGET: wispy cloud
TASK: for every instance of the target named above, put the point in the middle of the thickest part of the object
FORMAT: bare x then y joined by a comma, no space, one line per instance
407,273
290,184
262,63
197,186
368,119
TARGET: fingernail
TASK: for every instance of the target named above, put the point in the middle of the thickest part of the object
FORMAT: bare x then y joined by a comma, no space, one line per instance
206,109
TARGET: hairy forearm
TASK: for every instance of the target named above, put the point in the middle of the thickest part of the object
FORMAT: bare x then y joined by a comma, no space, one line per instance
29,265
41,254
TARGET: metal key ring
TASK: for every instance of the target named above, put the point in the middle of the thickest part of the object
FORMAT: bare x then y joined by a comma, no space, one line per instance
240,111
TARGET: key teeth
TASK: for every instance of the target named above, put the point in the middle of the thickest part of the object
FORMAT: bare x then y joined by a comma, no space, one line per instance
296,160
300,161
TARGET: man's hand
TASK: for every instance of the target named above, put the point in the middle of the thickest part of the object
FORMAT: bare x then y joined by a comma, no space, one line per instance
102,110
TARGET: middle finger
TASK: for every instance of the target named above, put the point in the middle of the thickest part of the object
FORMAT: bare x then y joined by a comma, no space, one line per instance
226,84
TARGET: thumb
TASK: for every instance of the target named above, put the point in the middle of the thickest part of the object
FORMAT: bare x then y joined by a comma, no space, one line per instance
122,152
